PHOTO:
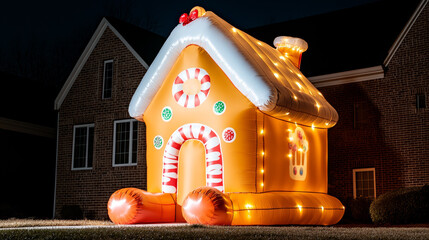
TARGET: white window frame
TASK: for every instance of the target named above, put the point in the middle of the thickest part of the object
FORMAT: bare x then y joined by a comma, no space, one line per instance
354,179
104,79
87,143
130,147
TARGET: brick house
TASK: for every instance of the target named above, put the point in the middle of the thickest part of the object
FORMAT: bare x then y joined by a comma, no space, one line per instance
100,148
370,62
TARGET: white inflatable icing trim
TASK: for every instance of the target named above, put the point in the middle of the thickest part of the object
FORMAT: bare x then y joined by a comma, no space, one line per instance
270,81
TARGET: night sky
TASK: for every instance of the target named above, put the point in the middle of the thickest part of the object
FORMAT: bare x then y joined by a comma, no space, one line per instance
53,33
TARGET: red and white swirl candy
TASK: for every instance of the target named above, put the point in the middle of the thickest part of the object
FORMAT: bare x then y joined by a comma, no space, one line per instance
192,100
214,161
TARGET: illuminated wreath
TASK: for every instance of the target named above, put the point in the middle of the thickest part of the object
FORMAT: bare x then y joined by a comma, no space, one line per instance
191,87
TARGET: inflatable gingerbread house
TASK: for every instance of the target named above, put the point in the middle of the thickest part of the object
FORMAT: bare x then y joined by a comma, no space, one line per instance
236,135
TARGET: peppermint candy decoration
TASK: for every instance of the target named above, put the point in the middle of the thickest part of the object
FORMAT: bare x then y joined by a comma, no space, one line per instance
229,135
191,87
166,114
219,108
158,141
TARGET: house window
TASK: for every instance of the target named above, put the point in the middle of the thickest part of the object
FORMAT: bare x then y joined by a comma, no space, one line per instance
83,146
420,101
364,183
362,116
107,79
125,142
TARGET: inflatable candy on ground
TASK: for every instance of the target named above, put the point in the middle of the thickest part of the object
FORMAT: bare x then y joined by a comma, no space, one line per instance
236,135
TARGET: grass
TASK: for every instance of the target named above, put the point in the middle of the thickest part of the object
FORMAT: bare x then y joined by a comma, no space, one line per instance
16,223
105,231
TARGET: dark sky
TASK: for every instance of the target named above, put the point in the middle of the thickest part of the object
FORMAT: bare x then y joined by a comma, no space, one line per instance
38,29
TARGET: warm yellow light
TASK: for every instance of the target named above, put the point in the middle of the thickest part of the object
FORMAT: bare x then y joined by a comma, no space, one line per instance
300,150
234,29
323,208
300,208
289,155
263,153
299,85
296,98
259,43
312,126
320,94
287,113
262,184
248,206
262,170
317,105
326,124
289,130
276,64
262,131
282,58
299,75
291,139
276,74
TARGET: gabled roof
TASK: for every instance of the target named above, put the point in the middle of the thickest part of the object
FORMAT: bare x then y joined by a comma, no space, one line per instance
141,43
349,39
261,73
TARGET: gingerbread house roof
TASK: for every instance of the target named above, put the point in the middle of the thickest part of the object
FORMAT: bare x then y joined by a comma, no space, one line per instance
261,73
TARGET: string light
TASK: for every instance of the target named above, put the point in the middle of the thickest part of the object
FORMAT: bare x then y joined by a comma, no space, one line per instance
234,29
262,184
323,209
263,153
287,113
276,74
262,131
262,170
300,208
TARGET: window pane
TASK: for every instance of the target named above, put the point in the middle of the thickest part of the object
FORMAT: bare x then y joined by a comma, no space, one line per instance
364,184
122,143
80,147
107,80
90,146
135,137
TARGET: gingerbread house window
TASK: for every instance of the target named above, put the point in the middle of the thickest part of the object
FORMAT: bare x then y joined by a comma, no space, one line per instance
364,183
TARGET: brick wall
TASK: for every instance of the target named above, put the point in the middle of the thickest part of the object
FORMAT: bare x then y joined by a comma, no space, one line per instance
396,138
91,189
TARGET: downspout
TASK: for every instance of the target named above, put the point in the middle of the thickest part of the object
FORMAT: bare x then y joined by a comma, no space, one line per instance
56,165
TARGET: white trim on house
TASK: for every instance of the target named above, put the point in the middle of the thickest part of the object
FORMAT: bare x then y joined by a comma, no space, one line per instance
87,143
25,127
56,166
358,75
130,145
85,55
354,179
104,79
404,32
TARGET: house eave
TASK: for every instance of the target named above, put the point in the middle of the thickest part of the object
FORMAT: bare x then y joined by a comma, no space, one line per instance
404,32
85,55
357,75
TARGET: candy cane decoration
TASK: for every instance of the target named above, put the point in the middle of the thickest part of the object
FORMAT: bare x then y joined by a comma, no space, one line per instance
187,99
214,161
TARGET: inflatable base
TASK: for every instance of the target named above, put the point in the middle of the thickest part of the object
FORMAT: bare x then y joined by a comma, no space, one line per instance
209,206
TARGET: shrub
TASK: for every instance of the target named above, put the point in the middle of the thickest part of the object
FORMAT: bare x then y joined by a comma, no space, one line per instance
405,205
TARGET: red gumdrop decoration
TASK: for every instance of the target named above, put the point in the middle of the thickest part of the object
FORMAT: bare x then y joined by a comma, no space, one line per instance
184,19
193,15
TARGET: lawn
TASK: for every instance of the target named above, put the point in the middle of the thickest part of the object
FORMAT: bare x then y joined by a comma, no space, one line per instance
105,230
